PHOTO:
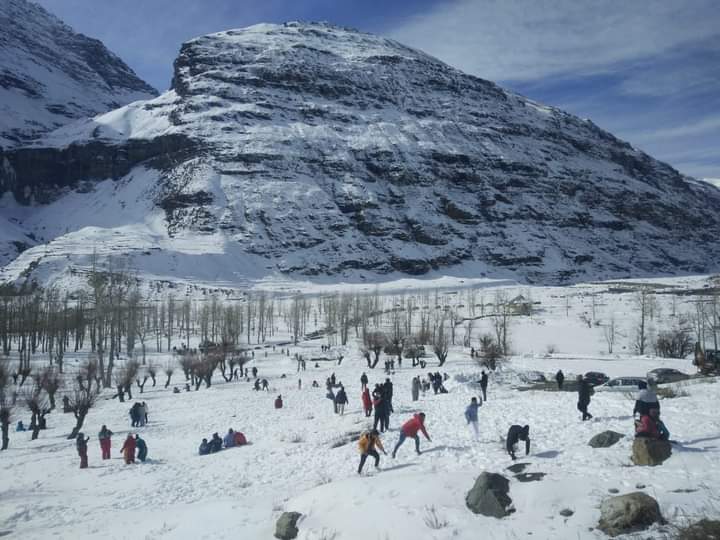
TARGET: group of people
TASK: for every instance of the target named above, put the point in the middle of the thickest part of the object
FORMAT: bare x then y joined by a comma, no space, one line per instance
216,443
647,415
138,414
370,440
133,443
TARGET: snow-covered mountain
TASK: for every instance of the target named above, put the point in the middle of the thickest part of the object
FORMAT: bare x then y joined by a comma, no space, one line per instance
316,150
51,75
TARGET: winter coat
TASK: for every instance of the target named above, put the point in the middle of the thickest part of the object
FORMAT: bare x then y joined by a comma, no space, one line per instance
363,379
366,401
647,428
141,449
646,400
104,434
559,377
215,444
278,403
584,393
368,442
81,444
341,397
517,433
128,448
229,440
484,380
412,426
471,412
204,448
240,439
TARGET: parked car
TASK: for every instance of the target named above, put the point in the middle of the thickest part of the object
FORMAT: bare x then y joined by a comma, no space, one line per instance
621,384
665,375
533,377
596,378
708,362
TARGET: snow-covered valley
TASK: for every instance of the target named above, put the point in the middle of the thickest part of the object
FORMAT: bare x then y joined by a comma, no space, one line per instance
296,460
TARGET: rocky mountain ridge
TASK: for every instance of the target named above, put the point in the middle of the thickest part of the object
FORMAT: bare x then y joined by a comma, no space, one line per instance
314,150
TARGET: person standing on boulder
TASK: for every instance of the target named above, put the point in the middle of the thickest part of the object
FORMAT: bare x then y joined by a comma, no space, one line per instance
410,430
516,434
584,393
560,378
483,384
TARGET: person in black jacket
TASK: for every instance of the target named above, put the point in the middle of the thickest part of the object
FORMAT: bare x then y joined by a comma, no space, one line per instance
516,434
560,378
483,385
646,400
363,381
584,393
379,405
215,443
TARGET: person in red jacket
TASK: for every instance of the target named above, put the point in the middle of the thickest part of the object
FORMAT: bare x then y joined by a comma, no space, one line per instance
278,402
410,429
367,401
128,449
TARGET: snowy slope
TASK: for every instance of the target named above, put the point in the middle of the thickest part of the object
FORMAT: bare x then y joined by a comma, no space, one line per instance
294,463
51,75
314,150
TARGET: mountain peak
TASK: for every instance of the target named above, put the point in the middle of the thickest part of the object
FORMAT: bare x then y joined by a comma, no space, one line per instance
51,75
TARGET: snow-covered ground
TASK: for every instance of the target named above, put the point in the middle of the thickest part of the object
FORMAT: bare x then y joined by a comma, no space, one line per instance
291,464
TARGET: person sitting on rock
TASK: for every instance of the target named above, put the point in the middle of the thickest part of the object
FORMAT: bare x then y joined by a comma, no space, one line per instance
204,448
20,426
229,439
215,443
651,426
516,434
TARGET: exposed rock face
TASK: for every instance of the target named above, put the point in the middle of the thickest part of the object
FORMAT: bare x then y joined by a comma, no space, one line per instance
648,451
286,526
314,150
51,75
605,439
626,513
489,496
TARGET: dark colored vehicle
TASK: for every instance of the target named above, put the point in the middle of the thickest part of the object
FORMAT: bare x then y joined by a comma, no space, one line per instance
665,375
596,377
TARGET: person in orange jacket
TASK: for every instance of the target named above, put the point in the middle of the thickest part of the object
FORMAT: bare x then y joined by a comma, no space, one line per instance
366,445
128,449
410,429
367,402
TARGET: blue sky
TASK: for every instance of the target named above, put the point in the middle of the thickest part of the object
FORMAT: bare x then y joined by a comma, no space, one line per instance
648,71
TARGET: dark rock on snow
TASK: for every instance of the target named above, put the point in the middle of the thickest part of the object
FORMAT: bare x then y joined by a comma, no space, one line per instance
286,526
605,439
489,496
646,451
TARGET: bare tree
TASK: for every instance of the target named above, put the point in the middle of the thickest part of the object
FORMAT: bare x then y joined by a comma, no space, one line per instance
169,370
440,342
502,311
610,332
490,352
676,342
6,404
373,341
644,301
50,380
39,405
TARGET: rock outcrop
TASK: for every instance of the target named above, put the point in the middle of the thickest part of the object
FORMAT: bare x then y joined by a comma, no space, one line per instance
286,526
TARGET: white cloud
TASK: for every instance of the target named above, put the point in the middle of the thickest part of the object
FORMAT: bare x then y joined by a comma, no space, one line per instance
690,129
526,39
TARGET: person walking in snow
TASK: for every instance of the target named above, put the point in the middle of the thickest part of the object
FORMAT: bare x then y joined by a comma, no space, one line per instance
141,414
484,384
367,402
278,402
410,430
265,385
145,412
415,388
134,415
387,390
81,445
128,450
363,381
104,437
584,393
366,445
560,378
254,372
142,449
341,400
516,434
471,416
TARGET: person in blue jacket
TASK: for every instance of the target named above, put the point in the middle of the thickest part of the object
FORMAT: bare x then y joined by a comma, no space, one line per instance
471,416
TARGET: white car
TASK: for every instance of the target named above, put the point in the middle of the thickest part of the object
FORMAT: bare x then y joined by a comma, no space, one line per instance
621,384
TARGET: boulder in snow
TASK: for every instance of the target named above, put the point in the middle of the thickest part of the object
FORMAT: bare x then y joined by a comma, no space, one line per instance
605,439
648,451
626,513
286,526
489,496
